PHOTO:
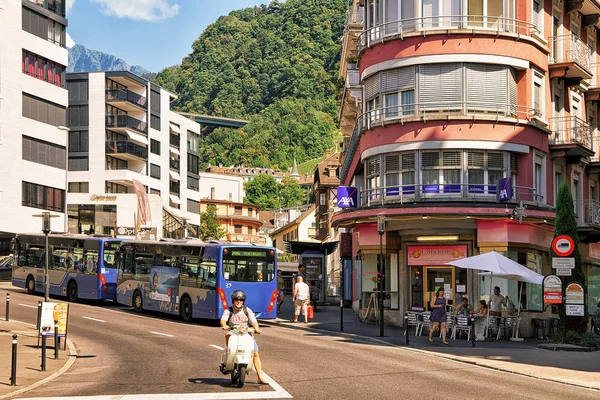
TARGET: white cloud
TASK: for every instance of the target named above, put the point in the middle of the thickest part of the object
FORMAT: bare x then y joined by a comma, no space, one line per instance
70,41
146,10
70,4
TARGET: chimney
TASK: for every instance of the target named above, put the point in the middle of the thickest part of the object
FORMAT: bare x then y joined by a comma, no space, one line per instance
212,193
327,154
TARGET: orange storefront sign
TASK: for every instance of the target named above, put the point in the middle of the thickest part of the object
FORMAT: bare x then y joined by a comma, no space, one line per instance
435,255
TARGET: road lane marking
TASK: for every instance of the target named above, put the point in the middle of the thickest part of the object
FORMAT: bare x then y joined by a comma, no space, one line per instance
216,347
162,334
94,319
27,305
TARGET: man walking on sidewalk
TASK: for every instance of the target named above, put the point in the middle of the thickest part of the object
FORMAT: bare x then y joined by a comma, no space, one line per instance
301,299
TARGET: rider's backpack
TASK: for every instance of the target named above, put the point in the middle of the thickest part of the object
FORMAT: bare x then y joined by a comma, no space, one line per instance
231,311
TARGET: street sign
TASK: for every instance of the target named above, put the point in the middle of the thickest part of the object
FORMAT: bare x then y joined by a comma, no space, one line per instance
563,271
552,290
575,310
564,262
563,245
574,294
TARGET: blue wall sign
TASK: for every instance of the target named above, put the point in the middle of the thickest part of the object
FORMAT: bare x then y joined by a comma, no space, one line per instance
504,189
347,197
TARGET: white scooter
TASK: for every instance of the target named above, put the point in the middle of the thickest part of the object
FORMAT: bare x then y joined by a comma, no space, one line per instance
238,356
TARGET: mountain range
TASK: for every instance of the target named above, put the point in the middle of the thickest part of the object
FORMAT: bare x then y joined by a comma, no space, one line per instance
82,59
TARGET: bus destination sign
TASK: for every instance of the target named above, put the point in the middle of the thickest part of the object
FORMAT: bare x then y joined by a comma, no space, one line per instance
248,253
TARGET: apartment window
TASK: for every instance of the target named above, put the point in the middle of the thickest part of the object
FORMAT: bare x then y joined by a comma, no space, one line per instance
397,86
78,141
538,93
78,90
484,171
155,101
250,230
174,140
78,116
250,211
79,187
237,210
539,183
111,187
78,163
399,170
56,6
42,152
155,171
193,141
193,163
154,191
43,27
155,122
559,178
193,183
42,68
237,229
193,206
43,197
113,163
372,176
537,16
155,147
43,110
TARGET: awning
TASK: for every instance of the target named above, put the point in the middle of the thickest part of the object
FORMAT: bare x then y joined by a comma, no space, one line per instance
301,247
174,199
174,150
136,137
175,175
174,128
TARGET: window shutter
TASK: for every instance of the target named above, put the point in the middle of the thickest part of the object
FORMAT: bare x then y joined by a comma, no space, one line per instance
373,167
408,161
513,164
487,87
372,87
430,159
536,11
398,79
495,160
440,86
476,159
392,163
451,158
512,91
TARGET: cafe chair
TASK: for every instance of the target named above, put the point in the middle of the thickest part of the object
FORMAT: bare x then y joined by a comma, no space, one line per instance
462,324
412,320
424,322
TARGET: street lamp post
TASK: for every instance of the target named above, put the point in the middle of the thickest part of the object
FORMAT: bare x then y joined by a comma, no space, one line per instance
380,269
46,217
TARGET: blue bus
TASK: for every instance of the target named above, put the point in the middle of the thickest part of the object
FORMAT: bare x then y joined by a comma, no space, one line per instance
79,266
194,279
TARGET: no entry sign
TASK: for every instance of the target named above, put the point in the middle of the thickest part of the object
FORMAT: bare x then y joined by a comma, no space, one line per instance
563,245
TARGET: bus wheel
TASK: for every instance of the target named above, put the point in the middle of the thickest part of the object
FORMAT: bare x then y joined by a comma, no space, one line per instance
30,285
72,292
138,302
186,309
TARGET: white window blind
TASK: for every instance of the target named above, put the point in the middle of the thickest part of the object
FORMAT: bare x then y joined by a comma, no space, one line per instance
440,86
372,87
392,163
487,87
398,79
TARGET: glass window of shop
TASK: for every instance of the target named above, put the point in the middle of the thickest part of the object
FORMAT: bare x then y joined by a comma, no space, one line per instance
593,287
92,219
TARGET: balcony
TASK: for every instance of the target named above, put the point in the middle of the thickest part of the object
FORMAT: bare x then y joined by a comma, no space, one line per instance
570,58
126,99
174,140
55,6
351,97
354,26
126,150
593,91
571,138
588,220
174,188
174,164
449,24
123,122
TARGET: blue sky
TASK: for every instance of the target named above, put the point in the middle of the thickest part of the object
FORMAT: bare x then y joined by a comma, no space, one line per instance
151,33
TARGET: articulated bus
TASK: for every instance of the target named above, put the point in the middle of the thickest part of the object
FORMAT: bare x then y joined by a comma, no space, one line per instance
79,266
194,279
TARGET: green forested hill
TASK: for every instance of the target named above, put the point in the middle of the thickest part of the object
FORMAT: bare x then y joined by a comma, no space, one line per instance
274,65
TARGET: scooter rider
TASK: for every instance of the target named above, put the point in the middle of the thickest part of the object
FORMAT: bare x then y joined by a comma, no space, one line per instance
242,314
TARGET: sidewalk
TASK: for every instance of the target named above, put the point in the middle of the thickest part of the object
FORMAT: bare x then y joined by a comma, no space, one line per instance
525,358
29,373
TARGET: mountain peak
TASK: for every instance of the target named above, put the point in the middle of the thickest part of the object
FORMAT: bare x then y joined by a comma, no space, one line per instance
82,59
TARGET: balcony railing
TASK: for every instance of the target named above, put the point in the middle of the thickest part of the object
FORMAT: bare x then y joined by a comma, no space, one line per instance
355,15
571,130
126,95
55,6
352,77
449,23
591,212
570,48
125,121
595,81
125,147
446,192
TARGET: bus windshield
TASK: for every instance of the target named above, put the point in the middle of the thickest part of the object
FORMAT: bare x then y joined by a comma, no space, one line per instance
248,265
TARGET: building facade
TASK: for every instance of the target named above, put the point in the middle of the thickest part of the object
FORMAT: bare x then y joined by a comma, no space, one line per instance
452,97
33,103
239,221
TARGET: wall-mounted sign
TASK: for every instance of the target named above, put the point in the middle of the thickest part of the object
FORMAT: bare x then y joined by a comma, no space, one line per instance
103,197
552,290
347,197
504,189
575,310
574,294
435,255
563,245
144,233
563,262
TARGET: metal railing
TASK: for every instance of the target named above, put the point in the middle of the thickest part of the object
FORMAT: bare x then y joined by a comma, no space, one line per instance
416,193
474,23
595,81
55,6
442,110
571,130
128,96
355,15
590,210
570,48
349,156
126,121
352,77
125,147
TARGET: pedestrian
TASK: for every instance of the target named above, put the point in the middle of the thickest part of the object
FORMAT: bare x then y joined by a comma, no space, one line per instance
497,300
438,315
301,272
280,290
301,299
314,294
480,321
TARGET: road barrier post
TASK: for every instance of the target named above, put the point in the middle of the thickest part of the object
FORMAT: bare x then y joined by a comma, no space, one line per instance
13,368
7,306
56,342
406,333
43,352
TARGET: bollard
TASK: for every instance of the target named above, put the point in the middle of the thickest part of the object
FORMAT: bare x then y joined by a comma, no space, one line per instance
7,306
56,343
406,329
39,316
43,352
13,368
472,331
341,315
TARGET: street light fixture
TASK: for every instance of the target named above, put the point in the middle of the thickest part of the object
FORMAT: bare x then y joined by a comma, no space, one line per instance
380,269
46,229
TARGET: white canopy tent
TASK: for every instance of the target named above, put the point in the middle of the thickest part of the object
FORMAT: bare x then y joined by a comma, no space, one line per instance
503,267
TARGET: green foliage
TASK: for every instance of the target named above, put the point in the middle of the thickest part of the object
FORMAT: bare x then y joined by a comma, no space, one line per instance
566,224
263,191
292,193
277,67
210,227
584,339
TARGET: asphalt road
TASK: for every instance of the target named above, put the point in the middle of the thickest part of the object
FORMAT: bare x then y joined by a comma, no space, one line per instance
120,352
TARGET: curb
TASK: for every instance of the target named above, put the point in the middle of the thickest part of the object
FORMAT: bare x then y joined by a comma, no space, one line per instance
62,370
426,352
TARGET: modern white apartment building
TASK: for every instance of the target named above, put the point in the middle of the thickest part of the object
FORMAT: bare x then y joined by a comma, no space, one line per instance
122,130
33,102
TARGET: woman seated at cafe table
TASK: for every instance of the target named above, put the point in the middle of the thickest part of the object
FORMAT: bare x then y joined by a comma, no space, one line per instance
480,322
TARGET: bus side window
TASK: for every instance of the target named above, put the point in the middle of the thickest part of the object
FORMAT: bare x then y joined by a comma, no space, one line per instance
35,257
77,255
209,272
91,261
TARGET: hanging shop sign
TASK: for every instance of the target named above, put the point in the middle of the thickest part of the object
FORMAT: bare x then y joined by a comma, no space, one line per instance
347,197
574,294
435,255
552,290
504,189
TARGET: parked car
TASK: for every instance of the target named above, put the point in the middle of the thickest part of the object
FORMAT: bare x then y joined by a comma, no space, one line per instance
6,262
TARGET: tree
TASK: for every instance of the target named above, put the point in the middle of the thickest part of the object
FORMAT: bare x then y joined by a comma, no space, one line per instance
566,224
263,191
292,193
210,227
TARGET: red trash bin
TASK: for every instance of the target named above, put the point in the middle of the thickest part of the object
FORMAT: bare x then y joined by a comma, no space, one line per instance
310,312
